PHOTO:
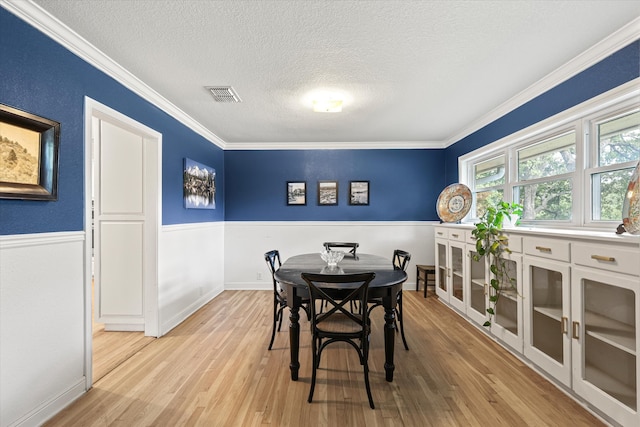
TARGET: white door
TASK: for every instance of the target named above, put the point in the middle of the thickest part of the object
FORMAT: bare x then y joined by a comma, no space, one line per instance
124,226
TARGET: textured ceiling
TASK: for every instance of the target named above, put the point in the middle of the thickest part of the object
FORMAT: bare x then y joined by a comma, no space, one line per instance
414,71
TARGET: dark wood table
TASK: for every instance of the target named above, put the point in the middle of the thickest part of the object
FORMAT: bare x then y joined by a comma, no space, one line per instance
386,285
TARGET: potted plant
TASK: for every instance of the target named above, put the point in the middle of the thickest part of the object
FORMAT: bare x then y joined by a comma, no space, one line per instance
491,242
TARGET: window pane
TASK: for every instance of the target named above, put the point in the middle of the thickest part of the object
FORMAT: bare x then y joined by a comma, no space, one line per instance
489,173
609,189
550,201
552,157
486,198
619,140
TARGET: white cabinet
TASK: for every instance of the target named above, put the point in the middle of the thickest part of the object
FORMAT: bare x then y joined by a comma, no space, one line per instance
574,312
547,307
442,269
605,334
507,321
478,298
450,270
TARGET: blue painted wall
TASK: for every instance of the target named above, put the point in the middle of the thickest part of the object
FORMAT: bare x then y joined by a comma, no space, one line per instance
39,76
404,184
615,70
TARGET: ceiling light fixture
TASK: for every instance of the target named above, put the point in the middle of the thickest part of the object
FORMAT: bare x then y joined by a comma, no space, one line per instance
327,105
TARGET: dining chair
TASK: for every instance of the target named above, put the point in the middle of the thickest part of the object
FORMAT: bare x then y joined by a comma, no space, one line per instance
400,261
279,294
349,246
338,323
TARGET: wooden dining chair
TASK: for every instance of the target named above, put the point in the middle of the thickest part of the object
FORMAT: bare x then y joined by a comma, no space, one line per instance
279,294
338,323
400,261
350,247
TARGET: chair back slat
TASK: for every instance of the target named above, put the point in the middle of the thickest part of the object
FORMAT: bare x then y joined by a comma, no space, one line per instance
401,259
273,263
350,246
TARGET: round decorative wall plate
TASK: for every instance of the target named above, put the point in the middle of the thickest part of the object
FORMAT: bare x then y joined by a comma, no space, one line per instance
631,205
454,203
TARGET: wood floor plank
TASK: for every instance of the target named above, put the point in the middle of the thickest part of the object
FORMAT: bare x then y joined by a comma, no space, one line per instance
215,370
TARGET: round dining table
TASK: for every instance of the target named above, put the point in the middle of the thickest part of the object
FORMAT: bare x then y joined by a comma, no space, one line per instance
386,285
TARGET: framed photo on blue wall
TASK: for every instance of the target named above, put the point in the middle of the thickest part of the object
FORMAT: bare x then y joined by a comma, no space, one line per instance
296,193
199,185
359,193
327,193
29,146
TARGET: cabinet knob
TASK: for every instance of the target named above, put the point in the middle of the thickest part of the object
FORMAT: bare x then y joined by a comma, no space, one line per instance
543,249
564,325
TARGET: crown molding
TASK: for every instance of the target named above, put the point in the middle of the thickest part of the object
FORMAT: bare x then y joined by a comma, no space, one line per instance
40,19
616,41
364,145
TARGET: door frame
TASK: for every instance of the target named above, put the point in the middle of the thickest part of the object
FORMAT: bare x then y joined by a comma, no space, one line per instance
153,173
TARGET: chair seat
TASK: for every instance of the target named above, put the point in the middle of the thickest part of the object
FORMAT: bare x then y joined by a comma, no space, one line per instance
341,324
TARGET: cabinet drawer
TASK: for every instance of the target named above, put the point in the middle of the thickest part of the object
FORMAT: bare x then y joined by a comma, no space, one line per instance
606,257
469,238
515,243
441,233
457,235
547,248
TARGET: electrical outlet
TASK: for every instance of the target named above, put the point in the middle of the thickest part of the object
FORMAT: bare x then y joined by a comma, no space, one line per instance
259,276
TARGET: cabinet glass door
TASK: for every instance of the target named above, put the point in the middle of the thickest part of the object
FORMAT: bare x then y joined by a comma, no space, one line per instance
605,343
477,302
507,321
547,307
442,271
507,307
457,260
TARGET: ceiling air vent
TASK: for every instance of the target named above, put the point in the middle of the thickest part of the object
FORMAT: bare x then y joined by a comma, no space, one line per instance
224,94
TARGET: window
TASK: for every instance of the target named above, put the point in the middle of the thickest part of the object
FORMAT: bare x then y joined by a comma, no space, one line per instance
489,179
571,170
545,174
616,151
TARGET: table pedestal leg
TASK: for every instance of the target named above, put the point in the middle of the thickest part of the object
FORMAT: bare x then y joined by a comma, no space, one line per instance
294,341
389,342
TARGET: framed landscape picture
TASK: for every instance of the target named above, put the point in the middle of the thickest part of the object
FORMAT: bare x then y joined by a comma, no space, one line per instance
327,192
296,193
199,185
29,147
359,192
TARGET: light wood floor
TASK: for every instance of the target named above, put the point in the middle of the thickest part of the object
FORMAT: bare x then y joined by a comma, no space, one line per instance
215,370
110,349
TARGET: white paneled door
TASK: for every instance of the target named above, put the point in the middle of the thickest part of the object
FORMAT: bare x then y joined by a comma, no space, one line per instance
122,219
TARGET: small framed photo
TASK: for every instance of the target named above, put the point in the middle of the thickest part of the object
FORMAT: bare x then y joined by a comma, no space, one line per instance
327,193
199,185
29,147
296,193
359,193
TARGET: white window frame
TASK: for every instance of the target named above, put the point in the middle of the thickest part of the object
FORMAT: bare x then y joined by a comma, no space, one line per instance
591,160
580,118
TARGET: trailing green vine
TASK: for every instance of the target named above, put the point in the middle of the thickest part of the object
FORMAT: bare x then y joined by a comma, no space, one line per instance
491,242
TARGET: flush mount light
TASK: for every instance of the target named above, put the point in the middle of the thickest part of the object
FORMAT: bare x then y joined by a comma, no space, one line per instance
327,105
223,94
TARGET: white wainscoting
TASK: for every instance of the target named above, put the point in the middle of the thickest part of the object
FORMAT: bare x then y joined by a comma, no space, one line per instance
42,319
246,242
191,270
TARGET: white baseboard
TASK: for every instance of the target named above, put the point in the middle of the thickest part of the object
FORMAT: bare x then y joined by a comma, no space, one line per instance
47,410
